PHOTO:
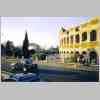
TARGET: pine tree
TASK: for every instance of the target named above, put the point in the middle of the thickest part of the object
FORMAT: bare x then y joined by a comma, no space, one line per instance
25,47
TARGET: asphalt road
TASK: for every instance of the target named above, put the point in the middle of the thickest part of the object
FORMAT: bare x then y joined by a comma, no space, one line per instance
61,75
68,76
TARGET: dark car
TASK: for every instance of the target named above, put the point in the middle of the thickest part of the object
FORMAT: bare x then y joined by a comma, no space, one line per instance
25,66
24,72
29,77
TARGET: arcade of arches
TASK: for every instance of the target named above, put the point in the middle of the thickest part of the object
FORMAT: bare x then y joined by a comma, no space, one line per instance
81,43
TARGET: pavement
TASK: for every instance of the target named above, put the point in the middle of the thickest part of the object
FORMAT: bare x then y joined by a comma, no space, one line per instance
51,73
69,66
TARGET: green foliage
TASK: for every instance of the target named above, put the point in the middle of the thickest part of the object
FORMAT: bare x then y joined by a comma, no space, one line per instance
9,48
34,56
40,56
25,47
18,52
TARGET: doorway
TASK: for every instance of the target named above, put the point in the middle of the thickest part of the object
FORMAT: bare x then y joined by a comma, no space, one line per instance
93,57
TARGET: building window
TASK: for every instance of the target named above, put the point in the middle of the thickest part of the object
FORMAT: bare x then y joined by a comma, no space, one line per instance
60,43
77,29
71,39
77,38
71,52
93,35
84,36
67,32
63,29
83,52
93,57
67,40
64,40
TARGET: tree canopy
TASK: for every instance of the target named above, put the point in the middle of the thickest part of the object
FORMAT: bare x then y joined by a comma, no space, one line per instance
26,53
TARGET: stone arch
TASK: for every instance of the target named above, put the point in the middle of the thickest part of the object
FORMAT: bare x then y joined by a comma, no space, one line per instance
77,54
84,57
93,57
93,35
84,52
71,52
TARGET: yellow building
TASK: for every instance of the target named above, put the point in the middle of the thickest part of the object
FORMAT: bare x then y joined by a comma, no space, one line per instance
80,43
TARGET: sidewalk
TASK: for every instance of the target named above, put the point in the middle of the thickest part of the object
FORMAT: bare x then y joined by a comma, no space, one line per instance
69,66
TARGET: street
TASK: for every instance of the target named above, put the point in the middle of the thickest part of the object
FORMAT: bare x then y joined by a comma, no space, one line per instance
51,75
60,74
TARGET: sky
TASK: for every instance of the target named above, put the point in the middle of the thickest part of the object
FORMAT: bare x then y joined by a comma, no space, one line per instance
41,30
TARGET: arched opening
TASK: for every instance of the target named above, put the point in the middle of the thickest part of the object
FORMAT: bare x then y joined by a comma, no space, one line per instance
84,36
71,38
71,56
84,52
67,52
77,53
77,38
71,52
93,35
77,56
83,58
93,57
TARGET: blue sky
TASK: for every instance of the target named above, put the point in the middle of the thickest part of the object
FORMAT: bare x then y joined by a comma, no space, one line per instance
41,30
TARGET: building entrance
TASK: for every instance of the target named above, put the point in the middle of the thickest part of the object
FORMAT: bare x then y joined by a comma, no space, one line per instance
93,57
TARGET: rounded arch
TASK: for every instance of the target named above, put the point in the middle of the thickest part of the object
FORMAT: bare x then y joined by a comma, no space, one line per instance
84,52
93,57
77,52
84,36
71,52
93,35
63,52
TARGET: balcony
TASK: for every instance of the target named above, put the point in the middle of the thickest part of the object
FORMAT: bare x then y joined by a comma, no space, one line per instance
92,44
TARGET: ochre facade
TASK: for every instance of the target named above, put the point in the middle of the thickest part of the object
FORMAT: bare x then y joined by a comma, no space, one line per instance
83,40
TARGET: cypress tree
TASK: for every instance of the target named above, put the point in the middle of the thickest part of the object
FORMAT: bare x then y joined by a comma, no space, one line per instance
25,46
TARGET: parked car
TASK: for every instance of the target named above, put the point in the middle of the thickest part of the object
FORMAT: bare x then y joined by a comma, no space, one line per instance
25,67
24,72
29,77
